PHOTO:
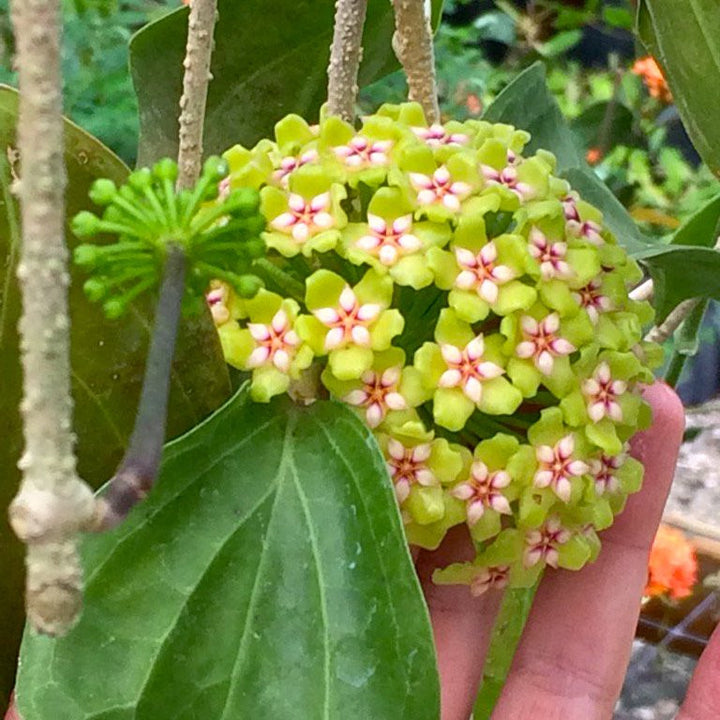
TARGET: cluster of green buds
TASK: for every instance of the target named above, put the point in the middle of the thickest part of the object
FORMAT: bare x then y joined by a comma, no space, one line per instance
472,310
218,231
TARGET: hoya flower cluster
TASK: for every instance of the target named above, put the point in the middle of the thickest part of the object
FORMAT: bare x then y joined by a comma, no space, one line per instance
471,308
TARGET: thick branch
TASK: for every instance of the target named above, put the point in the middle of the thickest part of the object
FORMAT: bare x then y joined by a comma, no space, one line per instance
414,47
195,88
53,503
345,56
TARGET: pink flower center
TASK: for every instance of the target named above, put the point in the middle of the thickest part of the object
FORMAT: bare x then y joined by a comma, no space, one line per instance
594,302
361,152
290,163
467,369
440,189
542,343
305,219
556,467
483,490
603,471
480,273
508,177
276,343
378,394
542,544
388,242
488,578
348,322
601,393
551,256
436,135
407,467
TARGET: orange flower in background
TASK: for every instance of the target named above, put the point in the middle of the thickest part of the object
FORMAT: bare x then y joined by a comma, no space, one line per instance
672,569
473,104
593,155
652,76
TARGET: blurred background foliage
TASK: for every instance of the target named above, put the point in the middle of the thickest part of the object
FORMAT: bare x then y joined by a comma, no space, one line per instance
98,91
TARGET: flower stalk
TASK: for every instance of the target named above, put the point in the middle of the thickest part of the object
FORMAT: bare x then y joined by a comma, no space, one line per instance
345,56
413,46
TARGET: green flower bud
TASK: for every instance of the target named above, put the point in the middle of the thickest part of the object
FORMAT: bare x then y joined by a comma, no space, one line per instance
215,168
103,191
114,308
86,255
165,169
140,180
85,224
95,289
248,286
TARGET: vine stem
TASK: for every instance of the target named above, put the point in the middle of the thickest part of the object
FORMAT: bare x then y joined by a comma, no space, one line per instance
53,504
345,56
141,463
413,46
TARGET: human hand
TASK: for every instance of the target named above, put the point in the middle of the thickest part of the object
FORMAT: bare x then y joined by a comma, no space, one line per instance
572,659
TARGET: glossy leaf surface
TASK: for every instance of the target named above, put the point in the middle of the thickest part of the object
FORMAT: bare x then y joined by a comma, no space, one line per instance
270,59
684,37
266,576
107,362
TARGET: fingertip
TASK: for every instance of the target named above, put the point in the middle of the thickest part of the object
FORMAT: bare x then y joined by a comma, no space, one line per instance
667,410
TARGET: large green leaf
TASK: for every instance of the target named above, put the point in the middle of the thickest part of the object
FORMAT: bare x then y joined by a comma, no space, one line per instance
680,272
107,364
684,37
702,227
266,576
688,267
270,59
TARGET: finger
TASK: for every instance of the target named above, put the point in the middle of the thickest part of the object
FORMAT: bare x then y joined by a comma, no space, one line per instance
12,713
461,625
573,655
703,696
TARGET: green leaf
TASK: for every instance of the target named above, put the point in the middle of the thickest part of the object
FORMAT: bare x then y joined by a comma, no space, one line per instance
107,362
680,272
266,576
560,43
618,17
702,227
262,69
528,104
683,37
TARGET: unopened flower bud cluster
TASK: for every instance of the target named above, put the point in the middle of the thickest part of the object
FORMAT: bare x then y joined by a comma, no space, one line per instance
471,308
